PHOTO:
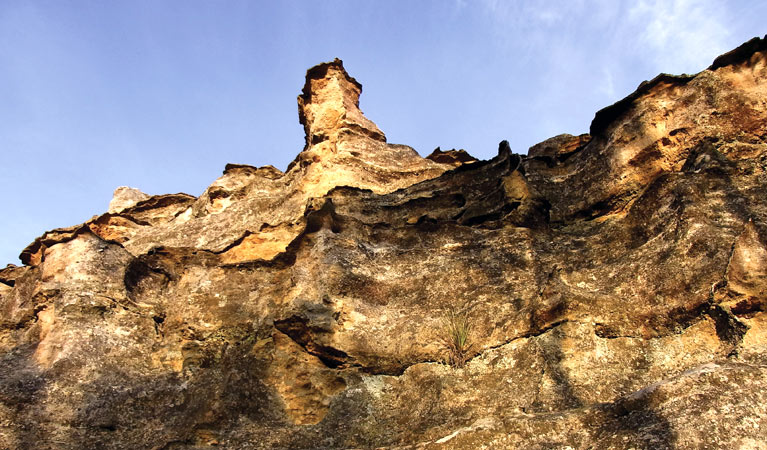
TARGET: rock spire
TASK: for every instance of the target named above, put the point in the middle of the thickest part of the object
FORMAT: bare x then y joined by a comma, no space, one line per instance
329,105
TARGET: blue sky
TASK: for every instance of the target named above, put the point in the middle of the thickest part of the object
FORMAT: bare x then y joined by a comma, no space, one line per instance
160,95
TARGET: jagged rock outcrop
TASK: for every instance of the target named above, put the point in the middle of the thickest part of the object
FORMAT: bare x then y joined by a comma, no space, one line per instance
615,283
125,197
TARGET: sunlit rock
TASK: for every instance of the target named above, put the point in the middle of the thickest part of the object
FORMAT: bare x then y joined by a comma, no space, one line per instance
613,283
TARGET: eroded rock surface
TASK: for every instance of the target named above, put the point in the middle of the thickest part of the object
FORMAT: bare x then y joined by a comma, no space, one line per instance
124,197
615,283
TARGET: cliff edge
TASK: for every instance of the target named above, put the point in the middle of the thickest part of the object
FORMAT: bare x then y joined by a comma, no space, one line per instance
614,285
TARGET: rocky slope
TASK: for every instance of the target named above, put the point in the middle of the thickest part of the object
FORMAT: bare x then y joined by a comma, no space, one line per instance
615,284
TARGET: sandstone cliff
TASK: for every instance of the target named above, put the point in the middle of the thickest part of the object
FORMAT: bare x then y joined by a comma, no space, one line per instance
615,284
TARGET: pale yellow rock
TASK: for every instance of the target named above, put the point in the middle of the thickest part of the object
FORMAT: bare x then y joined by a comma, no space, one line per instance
124,197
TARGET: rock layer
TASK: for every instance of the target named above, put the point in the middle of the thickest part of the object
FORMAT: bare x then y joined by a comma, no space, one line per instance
615,285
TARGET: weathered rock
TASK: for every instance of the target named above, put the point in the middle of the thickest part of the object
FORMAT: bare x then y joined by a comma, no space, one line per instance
125,197
747,272
615,285
559,147
453,157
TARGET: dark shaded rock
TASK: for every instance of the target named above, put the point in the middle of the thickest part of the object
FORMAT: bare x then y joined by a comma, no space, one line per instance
743,53
453,157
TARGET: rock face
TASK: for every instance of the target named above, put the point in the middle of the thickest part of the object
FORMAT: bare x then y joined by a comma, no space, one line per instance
615,285
125,197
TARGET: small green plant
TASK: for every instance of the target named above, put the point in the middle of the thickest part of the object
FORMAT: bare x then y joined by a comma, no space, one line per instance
455,337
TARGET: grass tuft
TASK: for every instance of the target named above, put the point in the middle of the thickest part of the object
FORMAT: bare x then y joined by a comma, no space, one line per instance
455,336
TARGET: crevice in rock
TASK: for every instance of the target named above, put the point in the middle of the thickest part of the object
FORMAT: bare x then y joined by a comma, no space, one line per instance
11,273
531,334
127,305
139,270
25,321
602,208
33,254
107,216
300,331
729,328
234,243
159,201
314,218
676,322
481,219
322,217
283,259
159,324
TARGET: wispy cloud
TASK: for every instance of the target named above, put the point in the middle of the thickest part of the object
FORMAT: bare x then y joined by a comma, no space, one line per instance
613,43
681,35
577,56
667,34
608,88
527,24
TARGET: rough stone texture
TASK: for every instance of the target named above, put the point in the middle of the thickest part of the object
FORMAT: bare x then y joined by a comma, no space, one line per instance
125,197
453,157
559,147
615,284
